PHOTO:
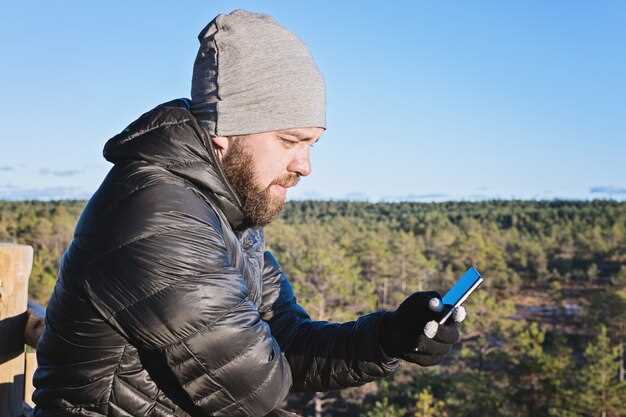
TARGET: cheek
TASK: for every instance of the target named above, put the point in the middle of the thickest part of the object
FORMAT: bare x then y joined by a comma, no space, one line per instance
270,165
274,170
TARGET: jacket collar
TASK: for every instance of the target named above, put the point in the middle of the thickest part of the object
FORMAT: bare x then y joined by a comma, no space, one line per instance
169,136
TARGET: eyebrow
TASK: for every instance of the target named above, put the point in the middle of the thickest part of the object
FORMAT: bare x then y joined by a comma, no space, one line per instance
298,135
295,133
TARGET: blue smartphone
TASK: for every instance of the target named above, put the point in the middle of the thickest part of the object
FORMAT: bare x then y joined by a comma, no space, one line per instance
463,287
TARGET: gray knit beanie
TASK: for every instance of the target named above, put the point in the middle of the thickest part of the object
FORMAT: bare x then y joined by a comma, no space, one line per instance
252,75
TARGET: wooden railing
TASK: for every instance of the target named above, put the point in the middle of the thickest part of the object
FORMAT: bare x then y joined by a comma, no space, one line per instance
21,324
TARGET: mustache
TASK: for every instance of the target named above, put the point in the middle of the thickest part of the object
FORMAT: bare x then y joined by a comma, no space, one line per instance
287,180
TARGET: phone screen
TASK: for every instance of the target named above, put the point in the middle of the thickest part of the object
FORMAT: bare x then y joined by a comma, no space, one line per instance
461,290
461,287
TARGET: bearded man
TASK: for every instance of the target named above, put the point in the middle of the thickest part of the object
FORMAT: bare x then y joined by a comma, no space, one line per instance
167,303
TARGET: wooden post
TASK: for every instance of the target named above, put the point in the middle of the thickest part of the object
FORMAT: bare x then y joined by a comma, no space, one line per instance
29,371
15,266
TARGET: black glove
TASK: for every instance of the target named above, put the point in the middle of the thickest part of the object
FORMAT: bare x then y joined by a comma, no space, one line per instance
413,332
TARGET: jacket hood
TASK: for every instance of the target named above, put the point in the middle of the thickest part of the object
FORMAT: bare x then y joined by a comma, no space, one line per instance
169,136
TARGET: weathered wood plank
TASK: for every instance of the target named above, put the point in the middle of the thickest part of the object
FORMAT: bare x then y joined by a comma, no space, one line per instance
15,266
31,365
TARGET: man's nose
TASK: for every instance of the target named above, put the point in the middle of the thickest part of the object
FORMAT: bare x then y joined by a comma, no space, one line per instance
301,163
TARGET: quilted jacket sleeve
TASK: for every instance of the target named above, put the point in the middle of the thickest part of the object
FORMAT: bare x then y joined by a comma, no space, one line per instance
322,355
173,291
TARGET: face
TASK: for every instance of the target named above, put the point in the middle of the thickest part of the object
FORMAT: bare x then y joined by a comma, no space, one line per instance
262,166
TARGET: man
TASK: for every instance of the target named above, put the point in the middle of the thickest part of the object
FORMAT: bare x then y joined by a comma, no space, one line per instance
166,303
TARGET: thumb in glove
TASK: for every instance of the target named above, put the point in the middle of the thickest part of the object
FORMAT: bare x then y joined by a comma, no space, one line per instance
413,332
458,315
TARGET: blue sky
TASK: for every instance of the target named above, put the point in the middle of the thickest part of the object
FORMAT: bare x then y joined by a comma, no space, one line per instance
426,100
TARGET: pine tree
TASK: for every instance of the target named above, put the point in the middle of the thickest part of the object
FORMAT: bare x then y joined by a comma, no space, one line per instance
539,376
426,405
600,392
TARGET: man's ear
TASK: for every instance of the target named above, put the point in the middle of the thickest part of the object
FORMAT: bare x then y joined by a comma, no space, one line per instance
220,145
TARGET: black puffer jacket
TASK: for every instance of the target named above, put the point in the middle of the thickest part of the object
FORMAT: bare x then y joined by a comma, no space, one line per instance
166,304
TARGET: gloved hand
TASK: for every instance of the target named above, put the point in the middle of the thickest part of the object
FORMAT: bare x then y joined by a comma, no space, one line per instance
412,332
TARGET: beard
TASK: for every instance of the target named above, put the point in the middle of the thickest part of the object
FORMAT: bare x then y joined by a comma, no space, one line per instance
259,206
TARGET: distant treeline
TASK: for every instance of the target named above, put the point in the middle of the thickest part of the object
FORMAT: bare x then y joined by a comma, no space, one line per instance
545,334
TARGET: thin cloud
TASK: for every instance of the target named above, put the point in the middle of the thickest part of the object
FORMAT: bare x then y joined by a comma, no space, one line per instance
479,197
6,168
355,196
606,189
61,172
306,195
416,197
13,193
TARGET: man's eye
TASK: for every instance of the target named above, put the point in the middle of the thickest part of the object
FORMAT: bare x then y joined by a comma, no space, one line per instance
288,142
